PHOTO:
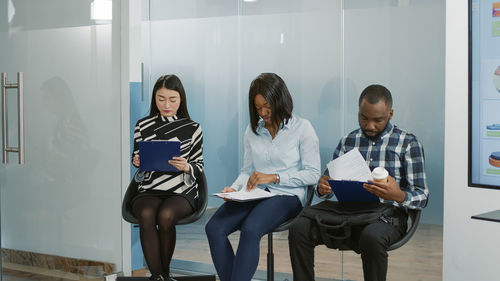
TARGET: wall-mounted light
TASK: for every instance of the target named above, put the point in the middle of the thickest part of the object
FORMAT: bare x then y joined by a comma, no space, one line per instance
249,0
101,10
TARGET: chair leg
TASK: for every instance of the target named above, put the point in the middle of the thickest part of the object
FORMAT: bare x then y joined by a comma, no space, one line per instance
270,258
341,265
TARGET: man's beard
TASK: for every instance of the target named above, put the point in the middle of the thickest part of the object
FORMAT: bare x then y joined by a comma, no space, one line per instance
374,137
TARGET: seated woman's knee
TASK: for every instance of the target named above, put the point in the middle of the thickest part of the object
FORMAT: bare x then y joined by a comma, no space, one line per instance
147,216
213,229
251,231
166,219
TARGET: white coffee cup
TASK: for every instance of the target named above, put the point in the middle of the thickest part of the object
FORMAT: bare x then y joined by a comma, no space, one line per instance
380,174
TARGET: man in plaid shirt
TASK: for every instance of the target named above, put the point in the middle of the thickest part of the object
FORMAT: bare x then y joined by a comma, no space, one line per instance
381,144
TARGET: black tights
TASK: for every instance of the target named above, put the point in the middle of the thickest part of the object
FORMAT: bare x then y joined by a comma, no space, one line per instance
158,243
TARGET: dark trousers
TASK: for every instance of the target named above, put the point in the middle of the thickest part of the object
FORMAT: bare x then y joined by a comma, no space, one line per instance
372,242
254,219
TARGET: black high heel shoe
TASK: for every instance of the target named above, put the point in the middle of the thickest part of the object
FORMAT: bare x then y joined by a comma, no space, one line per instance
157,277
168,277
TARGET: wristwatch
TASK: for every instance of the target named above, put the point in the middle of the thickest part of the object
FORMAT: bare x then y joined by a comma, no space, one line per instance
277,179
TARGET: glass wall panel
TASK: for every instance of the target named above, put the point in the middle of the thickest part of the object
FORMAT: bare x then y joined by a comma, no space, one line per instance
301,42
327,52
203,51
389,43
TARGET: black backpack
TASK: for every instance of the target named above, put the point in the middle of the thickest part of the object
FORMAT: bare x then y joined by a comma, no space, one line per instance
333,220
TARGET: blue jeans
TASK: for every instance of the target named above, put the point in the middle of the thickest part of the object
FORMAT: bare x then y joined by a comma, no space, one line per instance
254,219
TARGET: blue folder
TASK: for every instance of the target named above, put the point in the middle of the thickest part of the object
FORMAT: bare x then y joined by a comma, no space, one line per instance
351,191
154,155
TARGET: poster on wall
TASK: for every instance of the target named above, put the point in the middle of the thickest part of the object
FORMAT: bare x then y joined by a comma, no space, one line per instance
484,93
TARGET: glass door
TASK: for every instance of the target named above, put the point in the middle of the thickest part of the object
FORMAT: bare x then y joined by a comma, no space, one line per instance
61,208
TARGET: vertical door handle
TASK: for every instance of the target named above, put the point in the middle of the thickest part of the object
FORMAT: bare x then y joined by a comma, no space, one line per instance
142,81
20,129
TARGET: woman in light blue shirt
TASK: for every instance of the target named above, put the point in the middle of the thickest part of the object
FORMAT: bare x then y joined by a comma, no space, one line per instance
281,156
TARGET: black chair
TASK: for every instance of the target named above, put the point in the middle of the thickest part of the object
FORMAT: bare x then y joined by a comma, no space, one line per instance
128,216
282,227
414,217
202,202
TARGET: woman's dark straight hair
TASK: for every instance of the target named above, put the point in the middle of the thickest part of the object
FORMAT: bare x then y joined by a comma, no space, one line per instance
275,92
171,82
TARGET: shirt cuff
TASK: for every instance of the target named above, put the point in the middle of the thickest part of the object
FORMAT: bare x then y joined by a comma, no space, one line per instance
326,196
190,179
237,188
284,179
407,201
240,182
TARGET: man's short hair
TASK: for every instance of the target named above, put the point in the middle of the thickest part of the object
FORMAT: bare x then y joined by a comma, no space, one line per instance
374,93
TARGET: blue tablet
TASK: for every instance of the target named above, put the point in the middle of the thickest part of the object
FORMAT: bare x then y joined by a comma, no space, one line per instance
351,191
154,155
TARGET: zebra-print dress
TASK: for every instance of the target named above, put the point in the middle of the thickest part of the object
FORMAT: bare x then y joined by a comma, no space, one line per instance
190,135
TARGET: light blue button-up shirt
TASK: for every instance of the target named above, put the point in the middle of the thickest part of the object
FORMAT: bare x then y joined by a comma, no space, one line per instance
293,154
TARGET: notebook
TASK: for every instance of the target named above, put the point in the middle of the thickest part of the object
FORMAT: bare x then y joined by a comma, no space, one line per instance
243,195
351,191
154,155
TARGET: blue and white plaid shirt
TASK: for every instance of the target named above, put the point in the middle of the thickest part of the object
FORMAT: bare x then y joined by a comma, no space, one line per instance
400,153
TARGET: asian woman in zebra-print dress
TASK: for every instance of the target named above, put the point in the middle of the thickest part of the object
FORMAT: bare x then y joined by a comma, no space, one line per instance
164,198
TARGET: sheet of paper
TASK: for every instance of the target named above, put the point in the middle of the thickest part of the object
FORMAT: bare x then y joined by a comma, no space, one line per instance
350,166
244,195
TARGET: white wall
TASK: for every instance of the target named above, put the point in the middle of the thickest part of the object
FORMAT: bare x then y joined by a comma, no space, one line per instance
471,248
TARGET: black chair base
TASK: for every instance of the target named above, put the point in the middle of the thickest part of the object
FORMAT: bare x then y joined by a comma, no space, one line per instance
282,227
180,278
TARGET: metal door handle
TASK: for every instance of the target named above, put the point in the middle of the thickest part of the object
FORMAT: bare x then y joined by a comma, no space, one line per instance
142,81
20,103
